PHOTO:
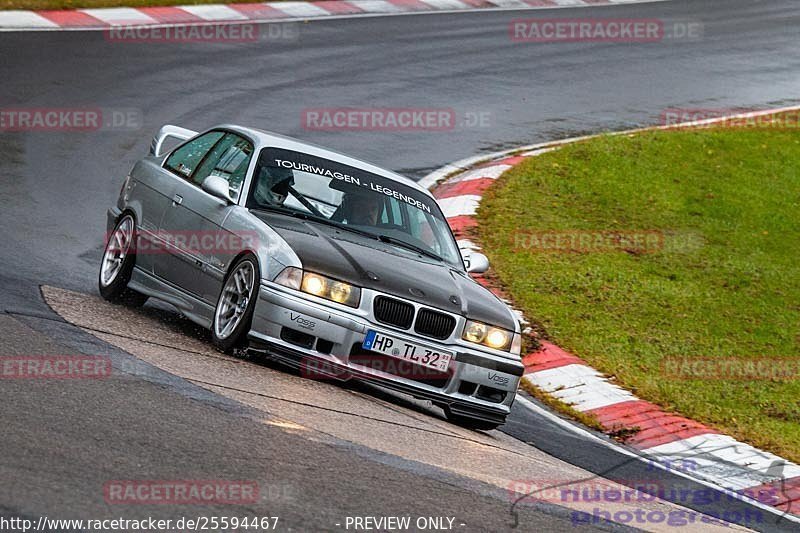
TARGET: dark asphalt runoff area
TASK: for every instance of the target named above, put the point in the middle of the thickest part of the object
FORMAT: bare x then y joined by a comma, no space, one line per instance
62,441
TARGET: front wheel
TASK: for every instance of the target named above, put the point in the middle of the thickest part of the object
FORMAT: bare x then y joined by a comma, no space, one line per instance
234,313
117,264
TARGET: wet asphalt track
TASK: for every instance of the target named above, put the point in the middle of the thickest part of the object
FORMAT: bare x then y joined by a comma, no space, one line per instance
64,441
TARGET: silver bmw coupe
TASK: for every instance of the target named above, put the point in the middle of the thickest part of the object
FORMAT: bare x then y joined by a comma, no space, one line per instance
317,259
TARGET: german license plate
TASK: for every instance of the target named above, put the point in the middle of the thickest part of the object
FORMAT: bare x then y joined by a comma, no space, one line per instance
407,351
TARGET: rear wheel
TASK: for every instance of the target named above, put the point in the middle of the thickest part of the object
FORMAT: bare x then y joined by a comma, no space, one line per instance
470,423
234,313
117,264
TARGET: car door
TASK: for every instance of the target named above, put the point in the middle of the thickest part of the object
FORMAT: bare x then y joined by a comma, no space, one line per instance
154,190
202,250
151,190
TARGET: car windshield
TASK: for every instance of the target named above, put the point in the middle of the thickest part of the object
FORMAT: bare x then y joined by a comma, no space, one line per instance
353,199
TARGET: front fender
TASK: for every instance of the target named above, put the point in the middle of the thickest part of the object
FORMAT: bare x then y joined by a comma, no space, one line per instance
272,251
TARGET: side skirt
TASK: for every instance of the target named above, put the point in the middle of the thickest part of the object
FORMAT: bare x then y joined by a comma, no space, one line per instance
193,308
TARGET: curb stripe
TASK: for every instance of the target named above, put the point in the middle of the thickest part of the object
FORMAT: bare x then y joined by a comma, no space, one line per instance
410,5
786,493
460,205
657,436
71,19
462,188
460,225
728,462
100,18
25,19
338,7
647,417
627,413
259,11
446,4
580,385
169,14
117,16
510,4
511,161
300,9
492,171
214,13
479,3
660,419
549,356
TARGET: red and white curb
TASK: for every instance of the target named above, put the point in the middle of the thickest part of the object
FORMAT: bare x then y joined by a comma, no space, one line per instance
104,18
665,438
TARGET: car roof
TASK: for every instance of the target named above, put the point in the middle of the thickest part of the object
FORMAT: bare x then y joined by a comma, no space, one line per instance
276,140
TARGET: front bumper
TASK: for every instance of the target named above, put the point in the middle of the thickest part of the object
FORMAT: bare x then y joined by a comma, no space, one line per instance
325,343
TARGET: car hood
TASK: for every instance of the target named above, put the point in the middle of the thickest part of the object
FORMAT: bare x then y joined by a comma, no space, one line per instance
372,264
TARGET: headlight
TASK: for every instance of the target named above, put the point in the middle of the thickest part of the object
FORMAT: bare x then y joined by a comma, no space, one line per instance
319,285
479,333
314,284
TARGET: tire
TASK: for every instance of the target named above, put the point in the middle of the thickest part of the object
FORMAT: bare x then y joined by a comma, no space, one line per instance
233,314
471,423
116,267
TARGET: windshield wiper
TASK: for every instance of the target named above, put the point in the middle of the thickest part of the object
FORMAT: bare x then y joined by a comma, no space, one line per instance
409,246
315,218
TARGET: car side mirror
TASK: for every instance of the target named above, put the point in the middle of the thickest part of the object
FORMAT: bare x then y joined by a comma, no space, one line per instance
218,187
476,262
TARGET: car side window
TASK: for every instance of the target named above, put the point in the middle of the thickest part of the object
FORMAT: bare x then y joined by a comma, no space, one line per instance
185,159
228,159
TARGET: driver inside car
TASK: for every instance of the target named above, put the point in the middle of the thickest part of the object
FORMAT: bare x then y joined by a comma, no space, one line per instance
359,209
272,187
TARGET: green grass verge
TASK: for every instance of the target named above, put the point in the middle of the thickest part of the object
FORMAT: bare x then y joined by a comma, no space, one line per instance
76,4
723,283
